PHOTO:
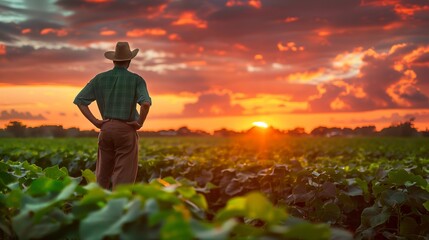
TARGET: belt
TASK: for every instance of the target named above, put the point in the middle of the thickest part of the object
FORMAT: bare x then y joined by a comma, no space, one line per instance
117,120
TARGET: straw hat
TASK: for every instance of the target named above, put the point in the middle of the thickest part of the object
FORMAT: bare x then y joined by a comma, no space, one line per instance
122,52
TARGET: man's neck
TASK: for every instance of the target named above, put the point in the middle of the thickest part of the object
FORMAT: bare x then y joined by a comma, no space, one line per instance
120,66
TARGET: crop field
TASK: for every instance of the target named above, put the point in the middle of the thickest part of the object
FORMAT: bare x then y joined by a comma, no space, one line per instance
258,187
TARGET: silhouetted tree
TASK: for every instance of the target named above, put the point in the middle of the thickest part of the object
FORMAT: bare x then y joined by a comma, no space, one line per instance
16,128
299,131
404,129
225,133
347,131
183,131
320,131
365,131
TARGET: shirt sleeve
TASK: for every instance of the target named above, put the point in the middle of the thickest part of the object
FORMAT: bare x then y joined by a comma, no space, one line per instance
86,96
142,93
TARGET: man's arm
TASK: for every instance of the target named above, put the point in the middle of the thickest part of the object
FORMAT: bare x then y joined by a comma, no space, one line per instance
144,110
88,114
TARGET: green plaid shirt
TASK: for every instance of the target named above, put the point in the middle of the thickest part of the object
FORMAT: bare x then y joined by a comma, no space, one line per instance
117,92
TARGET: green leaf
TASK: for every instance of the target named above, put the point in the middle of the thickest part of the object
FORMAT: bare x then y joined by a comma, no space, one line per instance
93,195
354,191
176,227
374,216
140,229
234,187
401,177
213,232
154,191
109,220
4,166
200,201
328,190
346,203
67,191
31,167
254,205
340,234
426,205
363,185
408,226
259,207
234,207
14,198
393,198
40,206
330,212
308,231
55,173
44,185
88,175
377,188
6,178
186,192
26,227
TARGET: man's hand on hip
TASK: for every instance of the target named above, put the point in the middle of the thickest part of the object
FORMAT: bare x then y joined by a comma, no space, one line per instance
136,125
98,123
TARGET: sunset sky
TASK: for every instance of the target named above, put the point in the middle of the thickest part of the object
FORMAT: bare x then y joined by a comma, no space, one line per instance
222,63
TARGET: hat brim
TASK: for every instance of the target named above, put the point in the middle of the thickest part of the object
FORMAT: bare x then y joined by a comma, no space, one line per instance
111,55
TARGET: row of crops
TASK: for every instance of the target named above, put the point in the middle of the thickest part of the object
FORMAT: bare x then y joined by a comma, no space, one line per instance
215,188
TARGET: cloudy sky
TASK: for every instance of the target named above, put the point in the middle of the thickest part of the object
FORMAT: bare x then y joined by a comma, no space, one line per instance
222,63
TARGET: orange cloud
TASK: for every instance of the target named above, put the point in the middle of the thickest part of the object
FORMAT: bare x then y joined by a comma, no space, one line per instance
2,49
58,32
148,31
156,11
189,18
393,25
349,61
196,63
350,89
258,57
290,19
241,47
174,37
415,54
212,104
403,10
107,32
408,11
305,77
251,3
26,30
255,3
339,104
290,46
15,115
323,33
410,59
405,86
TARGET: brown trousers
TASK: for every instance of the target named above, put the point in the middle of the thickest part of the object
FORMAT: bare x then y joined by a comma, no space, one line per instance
117,154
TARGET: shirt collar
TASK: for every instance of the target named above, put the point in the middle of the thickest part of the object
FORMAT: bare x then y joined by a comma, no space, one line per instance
119,68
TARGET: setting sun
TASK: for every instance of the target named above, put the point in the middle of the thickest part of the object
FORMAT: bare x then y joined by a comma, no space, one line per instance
260,124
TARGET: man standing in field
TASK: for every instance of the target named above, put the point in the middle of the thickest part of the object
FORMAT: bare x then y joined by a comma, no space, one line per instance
117,92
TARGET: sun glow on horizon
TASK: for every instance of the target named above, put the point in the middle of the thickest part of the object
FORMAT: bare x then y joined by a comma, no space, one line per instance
260,124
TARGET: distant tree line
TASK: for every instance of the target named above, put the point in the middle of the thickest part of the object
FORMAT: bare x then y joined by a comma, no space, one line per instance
402,129
18,129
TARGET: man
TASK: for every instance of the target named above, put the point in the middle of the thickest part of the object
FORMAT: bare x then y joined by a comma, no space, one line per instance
117,93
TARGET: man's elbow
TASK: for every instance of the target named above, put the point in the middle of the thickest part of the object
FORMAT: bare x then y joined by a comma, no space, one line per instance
81,106
146,104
